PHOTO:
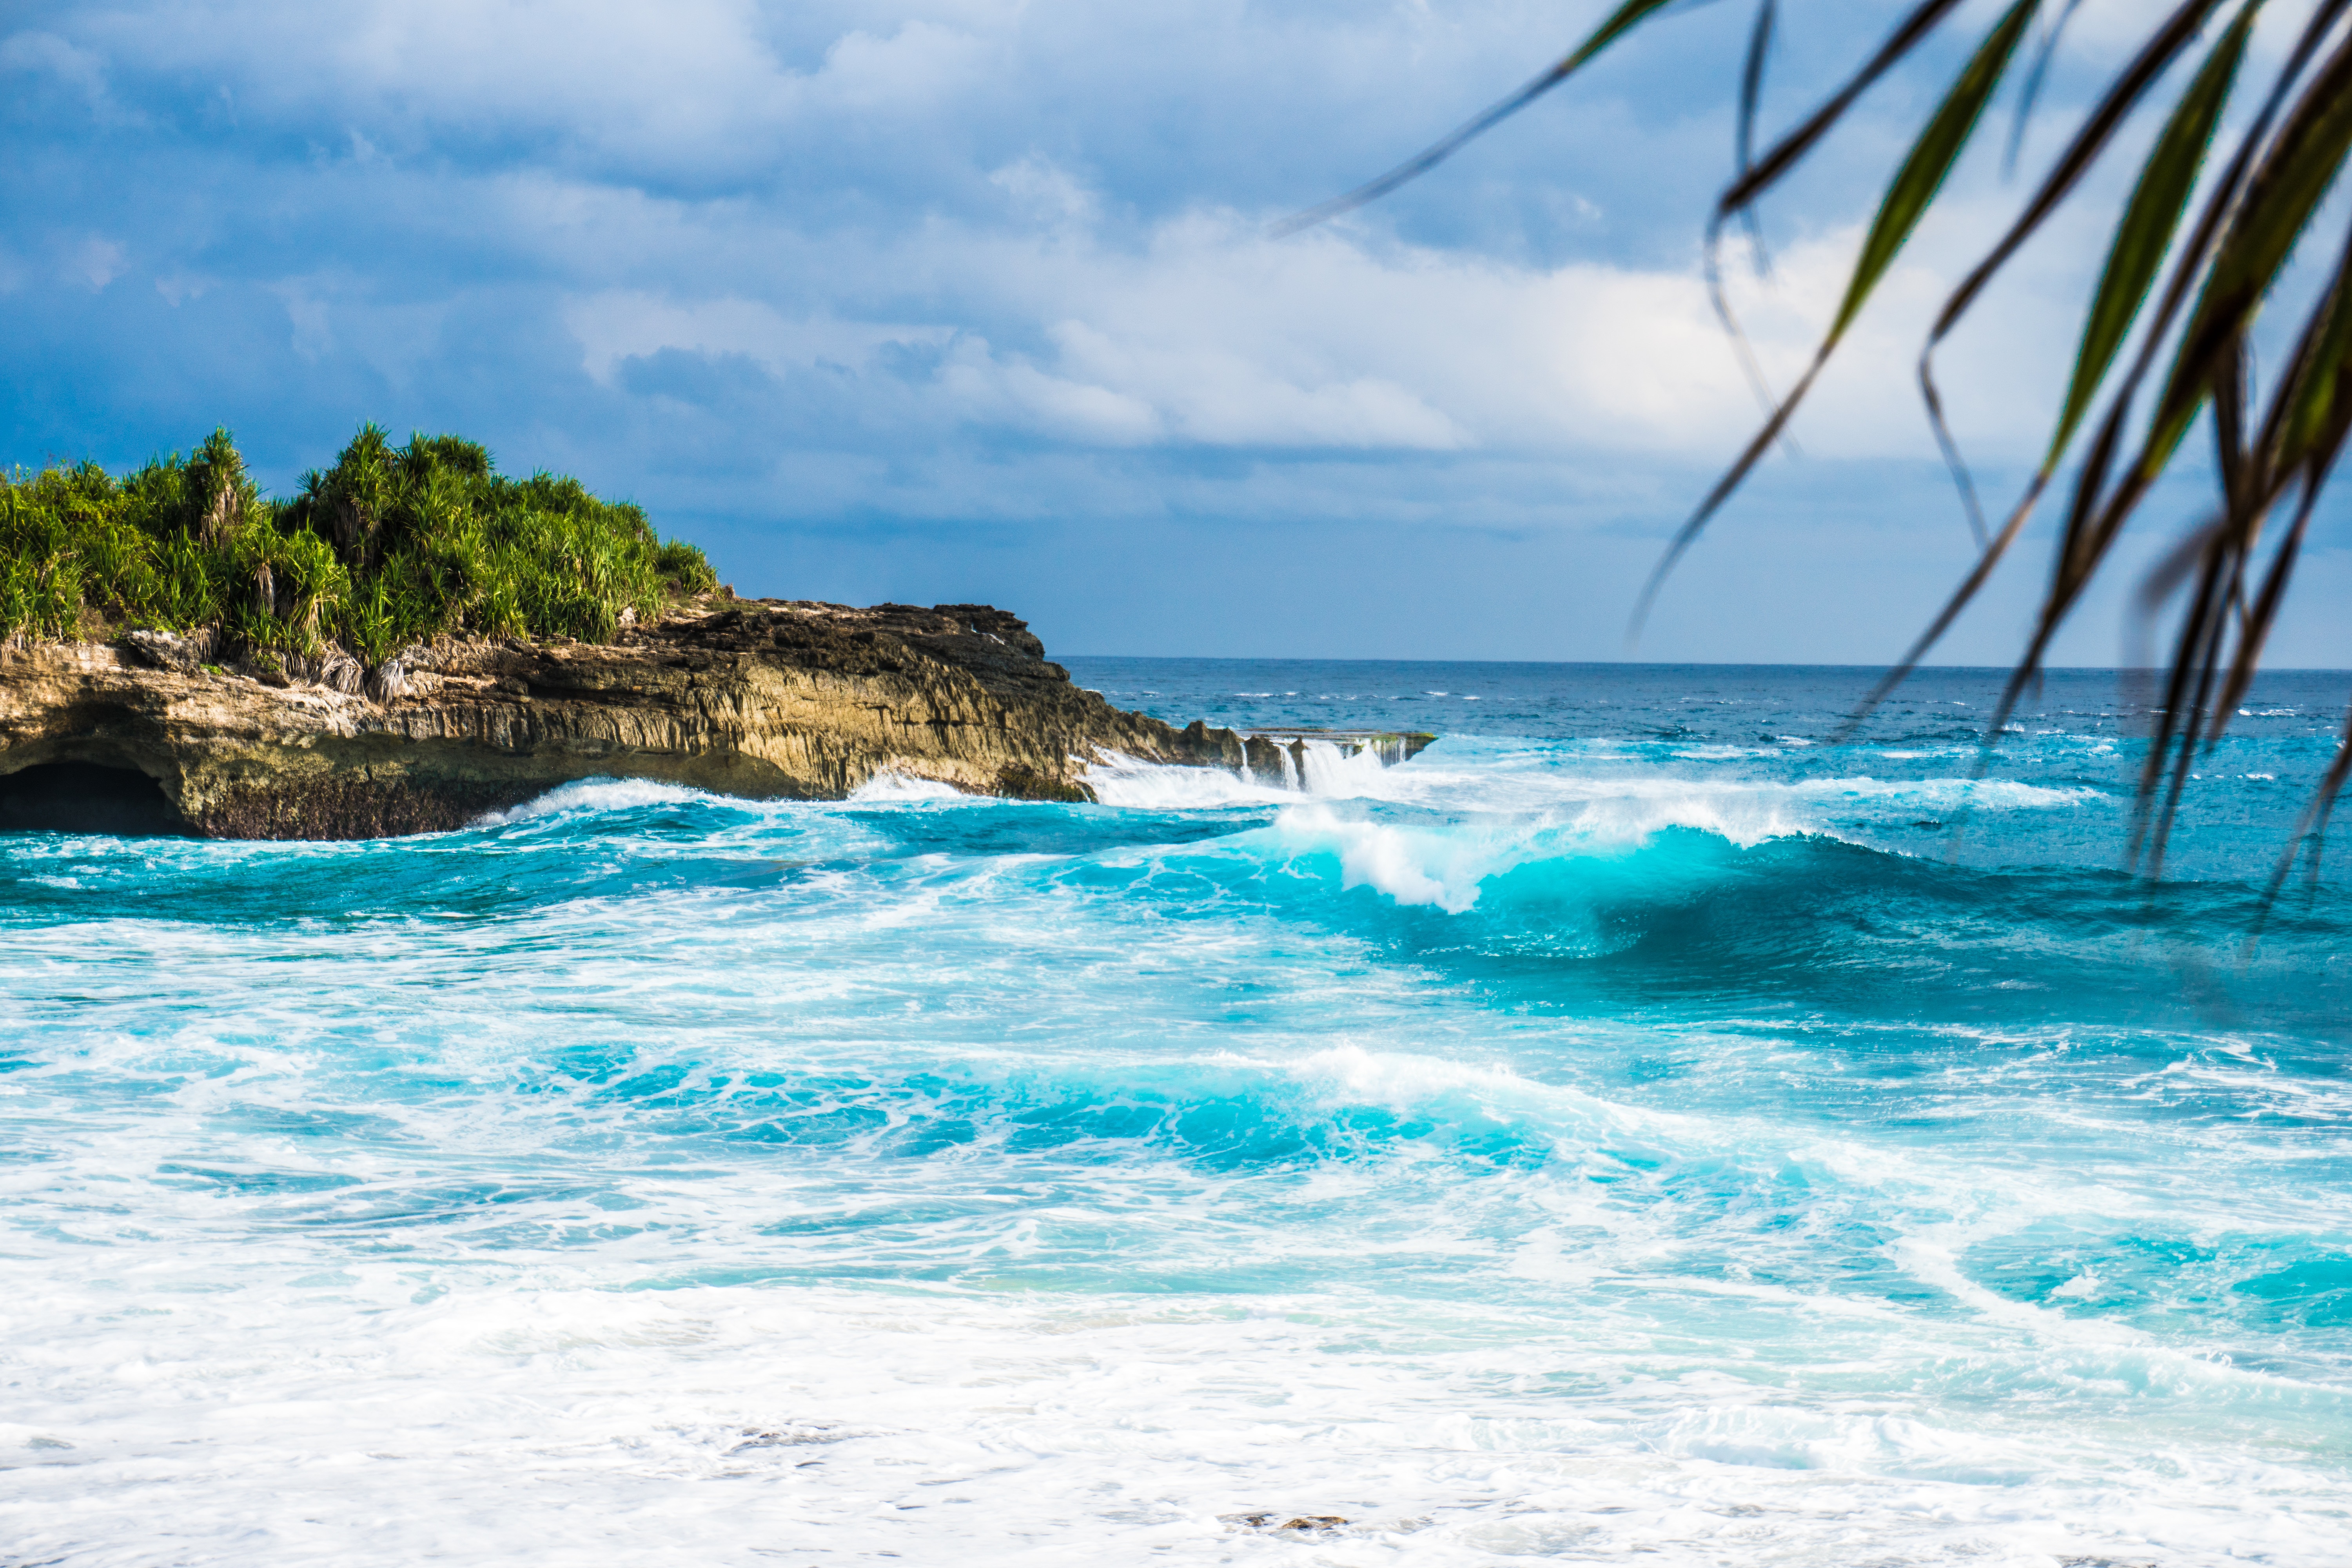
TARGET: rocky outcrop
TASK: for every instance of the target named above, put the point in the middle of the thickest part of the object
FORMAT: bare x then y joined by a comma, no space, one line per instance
765,698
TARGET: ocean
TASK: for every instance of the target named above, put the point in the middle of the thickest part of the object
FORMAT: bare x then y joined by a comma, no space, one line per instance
1635,1127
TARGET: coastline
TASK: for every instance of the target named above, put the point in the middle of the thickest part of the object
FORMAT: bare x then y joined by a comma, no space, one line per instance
761,698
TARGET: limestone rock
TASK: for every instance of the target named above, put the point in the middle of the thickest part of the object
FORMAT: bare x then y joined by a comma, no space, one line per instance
764,698
1305,1523
170,650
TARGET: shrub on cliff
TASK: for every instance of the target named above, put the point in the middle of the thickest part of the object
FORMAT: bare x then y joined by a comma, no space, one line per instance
392,545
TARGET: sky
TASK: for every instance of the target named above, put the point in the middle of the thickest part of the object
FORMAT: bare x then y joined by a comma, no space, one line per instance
954,301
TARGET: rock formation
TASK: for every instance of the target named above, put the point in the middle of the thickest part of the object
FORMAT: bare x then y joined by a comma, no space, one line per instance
758,697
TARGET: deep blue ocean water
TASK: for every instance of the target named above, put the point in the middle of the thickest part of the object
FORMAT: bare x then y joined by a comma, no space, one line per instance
1635,1127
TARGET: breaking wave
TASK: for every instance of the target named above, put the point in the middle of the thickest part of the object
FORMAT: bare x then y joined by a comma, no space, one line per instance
1631,1133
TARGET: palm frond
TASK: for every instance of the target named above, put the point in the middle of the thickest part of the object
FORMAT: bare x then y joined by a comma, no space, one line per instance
1623,20
2150,220
1906,201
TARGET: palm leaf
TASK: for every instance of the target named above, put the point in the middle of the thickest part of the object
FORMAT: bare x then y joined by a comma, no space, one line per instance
1907,198
1623,20
2133,256
2097,515
1751,96
2031,93
2302,438
2215,280
2150,220
2285,191
1790,150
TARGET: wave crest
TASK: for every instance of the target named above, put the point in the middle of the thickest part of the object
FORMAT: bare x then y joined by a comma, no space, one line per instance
889,785
596,795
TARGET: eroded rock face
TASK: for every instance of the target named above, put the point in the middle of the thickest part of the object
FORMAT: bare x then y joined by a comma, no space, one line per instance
761,697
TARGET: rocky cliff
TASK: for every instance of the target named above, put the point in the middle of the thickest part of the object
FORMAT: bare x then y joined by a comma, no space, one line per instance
764,697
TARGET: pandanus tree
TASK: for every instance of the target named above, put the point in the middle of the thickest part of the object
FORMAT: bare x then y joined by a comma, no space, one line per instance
2218,208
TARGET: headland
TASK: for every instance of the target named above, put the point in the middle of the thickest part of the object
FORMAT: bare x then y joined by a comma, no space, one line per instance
415,640
768,698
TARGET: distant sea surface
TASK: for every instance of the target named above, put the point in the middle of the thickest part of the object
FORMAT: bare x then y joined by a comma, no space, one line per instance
1638,1127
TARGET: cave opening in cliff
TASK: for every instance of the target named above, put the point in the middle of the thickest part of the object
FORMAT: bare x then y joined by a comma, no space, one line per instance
87,798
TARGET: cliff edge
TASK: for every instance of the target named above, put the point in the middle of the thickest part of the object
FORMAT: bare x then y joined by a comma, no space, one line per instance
766,698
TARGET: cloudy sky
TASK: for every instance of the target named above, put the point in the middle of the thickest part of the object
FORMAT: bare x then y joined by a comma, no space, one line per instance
974,300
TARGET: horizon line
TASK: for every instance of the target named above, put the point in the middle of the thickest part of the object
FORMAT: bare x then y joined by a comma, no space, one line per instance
1687,663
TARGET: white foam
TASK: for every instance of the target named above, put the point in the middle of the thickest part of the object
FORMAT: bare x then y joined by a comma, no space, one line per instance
595,794
1121,779
1611,798
1319,768
460,1236
1417,1081
1326,770
889,785
1439,866
1502,821
552,1421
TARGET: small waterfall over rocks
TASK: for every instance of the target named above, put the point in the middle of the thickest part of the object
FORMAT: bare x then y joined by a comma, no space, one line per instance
1309,761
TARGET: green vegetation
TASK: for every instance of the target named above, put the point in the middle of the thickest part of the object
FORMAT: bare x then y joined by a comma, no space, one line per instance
392,545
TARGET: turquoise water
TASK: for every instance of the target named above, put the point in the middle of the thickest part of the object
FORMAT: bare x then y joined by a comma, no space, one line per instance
1636,1125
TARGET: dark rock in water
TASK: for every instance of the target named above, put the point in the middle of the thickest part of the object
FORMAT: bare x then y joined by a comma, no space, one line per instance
762,697
1265,761
1312,1522
1278,758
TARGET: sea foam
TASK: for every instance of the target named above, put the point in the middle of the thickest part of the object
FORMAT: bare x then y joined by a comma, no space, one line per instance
1554,1148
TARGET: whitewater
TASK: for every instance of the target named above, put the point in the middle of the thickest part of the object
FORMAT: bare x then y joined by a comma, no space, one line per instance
1643,1123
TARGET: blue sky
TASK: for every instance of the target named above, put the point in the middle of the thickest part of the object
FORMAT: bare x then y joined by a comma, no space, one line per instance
974,301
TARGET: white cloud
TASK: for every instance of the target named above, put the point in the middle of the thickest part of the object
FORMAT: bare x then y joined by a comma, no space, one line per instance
695,88
1017,392
1210,333
617,324
307,313
46,54
920,62
96,261
337,314
1006,260
1044,194
1048,304
178,288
